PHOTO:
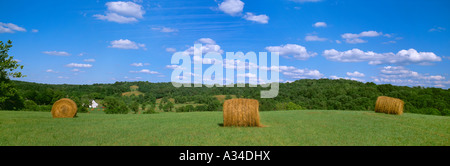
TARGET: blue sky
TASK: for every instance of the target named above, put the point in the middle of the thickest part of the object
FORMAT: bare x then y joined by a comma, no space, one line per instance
87,41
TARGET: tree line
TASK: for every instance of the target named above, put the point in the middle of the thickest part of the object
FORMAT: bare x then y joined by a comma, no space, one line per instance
324,94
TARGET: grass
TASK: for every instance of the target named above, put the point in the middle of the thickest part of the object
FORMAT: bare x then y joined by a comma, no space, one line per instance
283,128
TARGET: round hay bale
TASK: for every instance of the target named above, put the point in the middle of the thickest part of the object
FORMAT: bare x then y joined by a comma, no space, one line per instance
241,112
64,108
389,105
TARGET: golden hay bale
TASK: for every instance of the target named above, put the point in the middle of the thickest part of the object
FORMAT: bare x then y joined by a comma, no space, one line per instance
389,105
64,108
241,112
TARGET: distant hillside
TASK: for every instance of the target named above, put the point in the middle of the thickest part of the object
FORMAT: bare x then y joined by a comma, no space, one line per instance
133,91
324,94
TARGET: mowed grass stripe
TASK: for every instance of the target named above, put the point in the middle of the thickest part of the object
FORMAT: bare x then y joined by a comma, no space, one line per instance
283,128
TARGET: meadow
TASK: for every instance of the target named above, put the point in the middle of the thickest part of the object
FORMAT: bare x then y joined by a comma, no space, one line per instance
282,128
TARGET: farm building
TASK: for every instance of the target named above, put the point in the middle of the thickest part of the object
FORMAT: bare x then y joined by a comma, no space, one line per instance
93,104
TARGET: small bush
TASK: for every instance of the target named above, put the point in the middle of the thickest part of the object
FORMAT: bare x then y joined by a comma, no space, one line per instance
168,107
201,108
187,108
430,111
180,109
150,110
446,112
288,106
30,105
44,108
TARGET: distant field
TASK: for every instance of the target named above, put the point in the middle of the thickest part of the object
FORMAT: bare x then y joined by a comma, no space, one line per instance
221,98
306,127
170,99
136,93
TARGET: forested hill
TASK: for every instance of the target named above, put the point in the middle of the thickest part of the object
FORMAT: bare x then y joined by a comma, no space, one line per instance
307,94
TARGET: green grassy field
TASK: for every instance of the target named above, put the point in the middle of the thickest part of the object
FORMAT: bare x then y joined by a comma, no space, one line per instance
283,128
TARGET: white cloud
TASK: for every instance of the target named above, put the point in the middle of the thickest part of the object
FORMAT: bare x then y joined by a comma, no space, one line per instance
388,35
56,53
263,19
370,34
302,73
206,41
240,65
10,28
171,50
51,71
62,77
122,12
442,82
346,78
114,17
402,72
129,9
139,64
297,51
355,74
410,56
437,29
355,38
249,75
291,71
335,77
232,7
5,30
236,7
320,24
208,45
79,65
75,70
168,30
34,30
165,29
145,71
173,66
126,44
89,60
315,38
400,75
390,42
355,41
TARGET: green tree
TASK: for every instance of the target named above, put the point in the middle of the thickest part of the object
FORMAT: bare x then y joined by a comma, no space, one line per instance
135,107
168,107
9,97
144,107
151,109
115,106
227,97
82,104
30,105
293,106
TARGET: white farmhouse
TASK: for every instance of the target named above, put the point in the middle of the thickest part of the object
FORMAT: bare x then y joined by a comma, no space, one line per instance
93,104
